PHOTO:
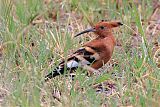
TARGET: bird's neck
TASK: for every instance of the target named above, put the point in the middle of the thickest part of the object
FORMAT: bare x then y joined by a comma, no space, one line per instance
108,36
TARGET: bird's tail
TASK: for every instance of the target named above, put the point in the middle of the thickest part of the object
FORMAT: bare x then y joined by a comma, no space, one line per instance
71,64
57,71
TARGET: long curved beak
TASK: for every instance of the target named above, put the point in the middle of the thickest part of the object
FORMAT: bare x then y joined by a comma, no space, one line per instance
85,31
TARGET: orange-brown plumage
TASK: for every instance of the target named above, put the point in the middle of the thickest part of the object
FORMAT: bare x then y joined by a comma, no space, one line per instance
95,53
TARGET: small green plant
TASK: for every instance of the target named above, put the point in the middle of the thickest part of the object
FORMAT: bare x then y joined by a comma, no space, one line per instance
36,35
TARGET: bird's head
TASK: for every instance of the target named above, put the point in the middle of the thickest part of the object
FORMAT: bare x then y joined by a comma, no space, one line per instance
101,28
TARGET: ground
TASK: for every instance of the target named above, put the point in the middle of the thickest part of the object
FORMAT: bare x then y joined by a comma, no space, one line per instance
36,35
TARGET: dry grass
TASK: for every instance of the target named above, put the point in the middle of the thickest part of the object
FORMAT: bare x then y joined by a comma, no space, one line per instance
35,35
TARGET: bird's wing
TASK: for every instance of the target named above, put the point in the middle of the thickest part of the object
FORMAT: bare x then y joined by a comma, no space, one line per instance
82,57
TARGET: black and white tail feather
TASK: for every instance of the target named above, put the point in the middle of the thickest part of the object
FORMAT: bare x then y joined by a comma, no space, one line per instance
83,56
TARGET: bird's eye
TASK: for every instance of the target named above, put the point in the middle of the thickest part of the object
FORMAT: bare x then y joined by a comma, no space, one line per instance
102,27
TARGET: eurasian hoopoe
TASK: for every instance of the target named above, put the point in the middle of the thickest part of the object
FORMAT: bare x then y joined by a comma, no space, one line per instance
93,54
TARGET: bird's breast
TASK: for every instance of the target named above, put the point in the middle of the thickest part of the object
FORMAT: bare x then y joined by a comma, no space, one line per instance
106,53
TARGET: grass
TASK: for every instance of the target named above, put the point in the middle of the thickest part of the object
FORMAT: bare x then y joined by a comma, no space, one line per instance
35,35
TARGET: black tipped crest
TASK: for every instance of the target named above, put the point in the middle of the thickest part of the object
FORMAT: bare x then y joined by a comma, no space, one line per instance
119,23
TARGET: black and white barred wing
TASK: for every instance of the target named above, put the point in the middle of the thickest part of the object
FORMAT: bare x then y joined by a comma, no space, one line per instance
83,56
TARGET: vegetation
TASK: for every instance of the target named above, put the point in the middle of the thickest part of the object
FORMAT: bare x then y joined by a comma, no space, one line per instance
36,34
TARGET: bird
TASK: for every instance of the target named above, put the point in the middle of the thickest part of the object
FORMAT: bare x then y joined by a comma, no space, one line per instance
93,54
